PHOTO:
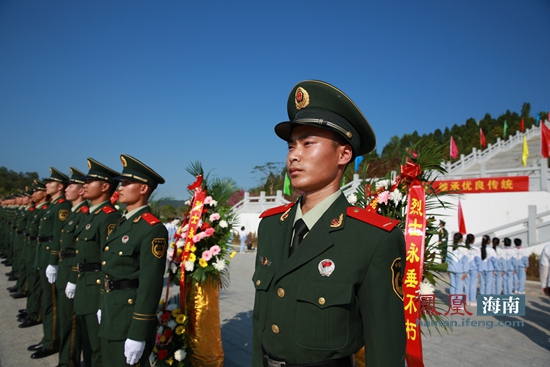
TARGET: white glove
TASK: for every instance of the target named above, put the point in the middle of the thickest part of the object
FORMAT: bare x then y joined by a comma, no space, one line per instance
99,316
51,273
69,290
133,351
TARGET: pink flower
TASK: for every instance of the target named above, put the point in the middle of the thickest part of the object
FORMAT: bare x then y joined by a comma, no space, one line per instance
209,232
214,217
383,197
214,250
206,255
208,200
197,238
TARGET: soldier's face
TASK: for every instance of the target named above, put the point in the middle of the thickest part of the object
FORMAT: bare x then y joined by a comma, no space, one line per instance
38,196
52,187
314,159
93,189
73,191
130,192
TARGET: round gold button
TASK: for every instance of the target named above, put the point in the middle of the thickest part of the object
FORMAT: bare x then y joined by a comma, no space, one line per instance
77,251
104,262
275,329
106,248
258,282
281,292
106,276
130,301
77,240
47,247
98,281
321,301
60,240
85,238
120,253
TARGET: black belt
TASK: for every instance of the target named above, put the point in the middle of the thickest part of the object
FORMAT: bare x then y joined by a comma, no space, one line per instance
63,255
111,285
45,239
32,238
341,362
83,268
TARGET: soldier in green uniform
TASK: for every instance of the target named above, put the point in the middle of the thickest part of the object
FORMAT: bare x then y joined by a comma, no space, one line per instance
326,273
133,266
91,236
21,240
33,315
49,232
443,239
70,335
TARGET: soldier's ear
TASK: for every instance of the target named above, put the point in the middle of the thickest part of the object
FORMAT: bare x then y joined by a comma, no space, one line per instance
345,154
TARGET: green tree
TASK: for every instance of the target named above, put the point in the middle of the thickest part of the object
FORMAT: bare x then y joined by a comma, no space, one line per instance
271,176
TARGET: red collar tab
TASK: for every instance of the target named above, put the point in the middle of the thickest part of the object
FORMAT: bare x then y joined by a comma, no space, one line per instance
108,209
276,210
375,219
150,218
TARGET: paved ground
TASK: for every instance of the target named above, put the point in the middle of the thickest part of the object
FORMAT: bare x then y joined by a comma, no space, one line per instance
527,345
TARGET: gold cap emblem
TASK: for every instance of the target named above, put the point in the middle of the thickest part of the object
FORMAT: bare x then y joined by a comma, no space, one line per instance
123,160
301,98
89,164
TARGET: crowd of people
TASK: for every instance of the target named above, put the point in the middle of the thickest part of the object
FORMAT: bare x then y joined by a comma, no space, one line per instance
486,268
91,276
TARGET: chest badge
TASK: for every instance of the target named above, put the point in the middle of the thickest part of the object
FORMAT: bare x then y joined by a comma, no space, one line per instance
70,222
326,267
125,239
265,261
88,226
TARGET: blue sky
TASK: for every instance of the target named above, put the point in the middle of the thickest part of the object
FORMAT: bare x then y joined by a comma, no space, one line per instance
172,82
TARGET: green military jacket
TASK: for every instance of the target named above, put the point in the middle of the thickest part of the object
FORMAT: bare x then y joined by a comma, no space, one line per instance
49,232
34,227
67,243
91,236
338,291
136,250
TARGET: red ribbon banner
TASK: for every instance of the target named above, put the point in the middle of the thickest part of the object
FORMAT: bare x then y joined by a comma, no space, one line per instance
415,233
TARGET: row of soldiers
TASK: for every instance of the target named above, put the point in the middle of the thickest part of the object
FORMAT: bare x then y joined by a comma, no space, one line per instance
91,276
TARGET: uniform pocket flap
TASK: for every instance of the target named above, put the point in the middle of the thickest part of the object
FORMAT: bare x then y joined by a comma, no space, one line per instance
325,294
262,278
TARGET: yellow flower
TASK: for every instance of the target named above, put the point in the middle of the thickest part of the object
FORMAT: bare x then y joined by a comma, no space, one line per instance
162,339
180,319
232,255
155,350
203,262
176,312
170,361
193,248
161,302
180,329
192,257
178,252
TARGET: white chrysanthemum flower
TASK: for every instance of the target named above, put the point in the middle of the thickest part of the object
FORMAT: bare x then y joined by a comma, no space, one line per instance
172,324
396,196
213,203
383,184
173,268
352,198
180,243
180,355
223,224
426,288
219,264
171,307
188,202
160,330
189,266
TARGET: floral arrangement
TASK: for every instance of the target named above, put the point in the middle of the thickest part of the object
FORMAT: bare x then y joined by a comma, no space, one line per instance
388,196
200,251
171,346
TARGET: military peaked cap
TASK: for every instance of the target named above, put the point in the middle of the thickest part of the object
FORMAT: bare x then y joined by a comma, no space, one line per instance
77,176
57,175
317,103
134,170
98,171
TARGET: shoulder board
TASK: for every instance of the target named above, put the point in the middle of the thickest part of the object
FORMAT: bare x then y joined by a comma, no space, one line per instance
150,218
276,210
108,210
60,201
375,219
84,209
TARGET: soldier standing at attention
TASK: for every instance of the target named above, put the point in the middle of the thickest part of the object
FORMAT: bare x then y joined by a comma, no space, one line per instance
49,233
70,335
31,316
443,240
91,236
133,266
327,273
